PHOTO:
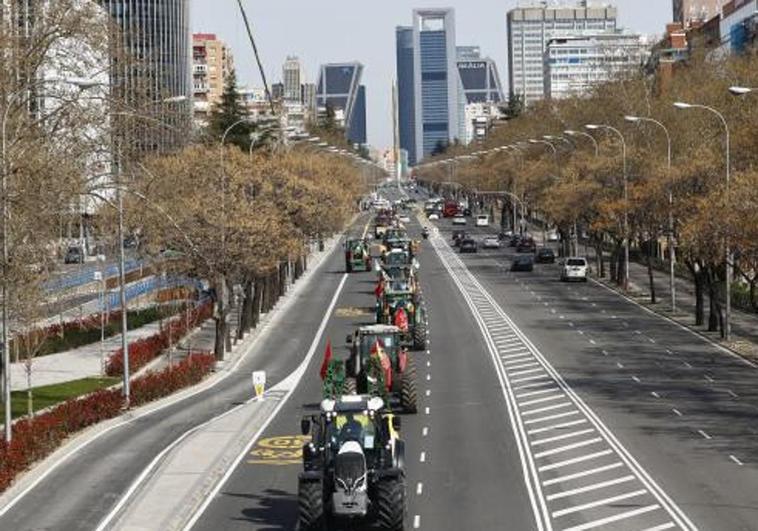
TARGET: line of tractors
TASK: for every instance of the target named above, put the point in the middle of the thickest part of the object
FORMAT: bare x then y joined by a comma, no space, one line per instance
354,465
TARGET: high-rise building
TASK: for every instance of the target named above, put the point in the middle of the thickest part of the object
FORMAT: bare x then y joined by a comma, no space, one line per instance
156,35
309,99
406,111
339,87
479,76
531,28
292,78
573,65
212,64
688,11
437,88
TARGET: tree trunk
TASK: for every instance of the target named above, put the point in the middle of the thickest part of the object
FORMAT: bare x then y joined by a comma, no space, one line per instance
713,302
600,258
650,271
246,315
257,300
220,317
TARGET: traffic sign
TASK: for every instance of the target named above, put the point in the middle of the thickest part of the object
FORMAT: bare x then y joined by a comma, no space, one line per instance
259,383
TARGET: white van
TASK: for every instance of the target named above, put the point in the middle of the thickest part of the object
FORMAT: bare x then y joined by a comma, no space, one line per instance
482,221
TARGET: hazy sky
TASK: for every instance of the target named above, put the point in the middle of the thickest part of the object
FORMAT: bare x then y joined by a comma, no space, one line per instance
364,30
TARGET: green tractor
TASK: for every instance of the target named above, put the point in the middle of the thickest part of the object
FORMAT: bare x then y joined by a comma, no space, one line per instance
353,467
357,255
380,365
400,304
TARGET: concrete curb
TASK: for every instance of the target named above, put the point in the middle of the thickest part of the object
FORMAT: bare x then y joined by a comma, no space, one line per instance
28,480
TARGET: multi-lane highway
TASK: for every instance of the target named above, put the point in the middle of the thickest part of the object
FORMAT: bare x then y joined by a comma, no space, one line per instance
543,405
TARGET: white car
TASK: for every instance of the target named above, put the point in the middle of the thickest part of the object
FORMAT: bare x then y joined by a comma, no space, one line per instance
404,219
482,221
491,242
459,220
574,268
433,216
552,236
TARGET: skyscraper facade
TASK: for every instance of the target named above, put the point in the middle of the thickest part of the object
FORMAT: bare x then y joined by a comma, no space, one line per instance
292,77
530,29
438,107
152,64
339,87
406,111
479,76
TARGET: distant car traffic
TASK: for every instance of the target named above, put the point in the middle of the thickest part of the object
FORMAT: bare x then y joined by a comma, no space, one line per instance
459,220
574,268
491,242
468,245
458,235
523,263
526,245
433,216
482,221
404,219
74,255
545,255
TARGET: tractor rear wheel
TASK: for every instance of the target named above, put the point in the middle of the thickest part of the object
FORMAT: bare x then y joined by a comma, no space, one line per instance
390,503
408,388
419,336
351,386
310,496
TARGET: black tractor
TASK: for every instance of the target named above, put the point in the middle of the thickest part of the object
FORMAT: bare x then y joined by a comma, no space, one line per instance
353,466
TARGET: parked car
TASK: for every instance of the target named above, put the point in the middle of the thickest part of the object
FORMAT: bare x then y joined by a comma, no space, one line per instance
514,241
468,245
505,235
545,255
433,216
522,263
459,220
74,255
482,221
574,268
491,242
526,245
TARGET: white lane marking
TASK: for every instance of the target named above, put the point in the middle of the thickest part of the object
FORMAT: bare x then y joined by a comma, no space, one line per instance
573,461
530,378
636,379
540,392
614,518
711,380
570,435
677,412
557,426
428,363
542,400
567,448
734,395
428,377
704,435
416,522
619,365
551,417
292,380
594,486
651,339
526,371
521,358
686,364
426,410
580,332
735,460
655,394
583,473
419,488
523,366
422,457
522,349
532,385
592,342
428,392
599,503
553,407
605,353
425,431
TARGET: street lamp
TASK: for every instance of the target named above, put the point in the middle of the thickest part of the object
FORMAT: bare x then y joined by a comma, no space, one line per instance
596,127
6,170
728,283
741,91
672,251
571,132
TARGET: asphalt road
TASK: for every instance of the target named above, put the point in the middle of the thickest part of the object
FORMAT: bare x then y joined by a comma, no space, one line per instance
80,492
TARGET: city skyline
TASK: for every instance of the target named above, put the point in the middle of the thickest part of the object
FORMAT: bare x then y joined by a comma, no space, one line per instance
347,36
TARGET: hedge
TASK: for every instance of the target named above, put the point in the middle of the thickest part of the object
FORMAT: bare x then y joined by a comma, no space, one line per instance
37,437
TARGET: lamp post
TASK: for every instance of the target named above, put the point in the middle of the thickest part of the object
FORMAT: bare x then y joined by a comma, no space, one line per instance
596,127
6,169
741,91
571,132
728,251
672,250
557,174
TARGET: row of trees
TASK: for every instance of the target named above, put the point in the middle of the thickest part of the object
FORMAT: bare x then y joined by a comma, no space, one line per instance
575,186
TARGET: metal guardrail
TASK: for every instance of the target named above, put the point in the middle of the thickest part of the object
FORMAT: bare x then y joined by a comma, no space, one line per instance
145,286
87,276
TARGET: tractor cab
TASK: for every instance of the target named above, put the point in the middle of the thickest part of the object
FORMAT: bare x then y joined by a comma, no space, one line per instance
357,255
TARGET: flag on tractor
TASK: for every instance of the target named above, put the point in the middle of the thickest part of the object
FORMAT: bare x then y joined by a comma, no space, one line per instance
401,319
327,359
378,351
379,289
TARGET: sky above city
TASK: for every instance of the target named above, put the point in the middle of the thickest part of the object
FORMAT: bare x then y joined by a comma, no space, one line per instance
364,30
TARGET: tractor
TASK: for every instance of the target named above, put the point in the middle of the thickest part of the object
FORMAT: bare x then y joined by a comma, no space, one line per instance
353,466
380,365
357,255
399,303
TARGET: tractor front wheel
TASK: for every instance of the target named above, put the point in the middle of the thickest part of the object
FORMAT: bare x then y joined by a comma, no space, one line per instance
390,502
310,496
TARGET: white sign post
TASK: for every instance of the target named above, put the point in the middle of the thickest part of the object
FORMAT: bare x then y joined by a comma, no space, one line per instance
259,383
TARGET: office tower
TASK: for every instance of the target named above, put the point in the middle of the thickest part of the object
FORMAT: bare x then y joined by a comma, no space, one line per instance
479,76
339,87
406,112
573,65
531,28
438,107
151,66
309,100
212,64
292,78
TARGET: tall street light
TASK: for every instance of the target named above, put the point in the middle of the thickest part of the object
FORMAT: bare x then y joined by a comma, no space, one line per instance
554,149
627,236
5,167
672,251
741,91
727,244
571,132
